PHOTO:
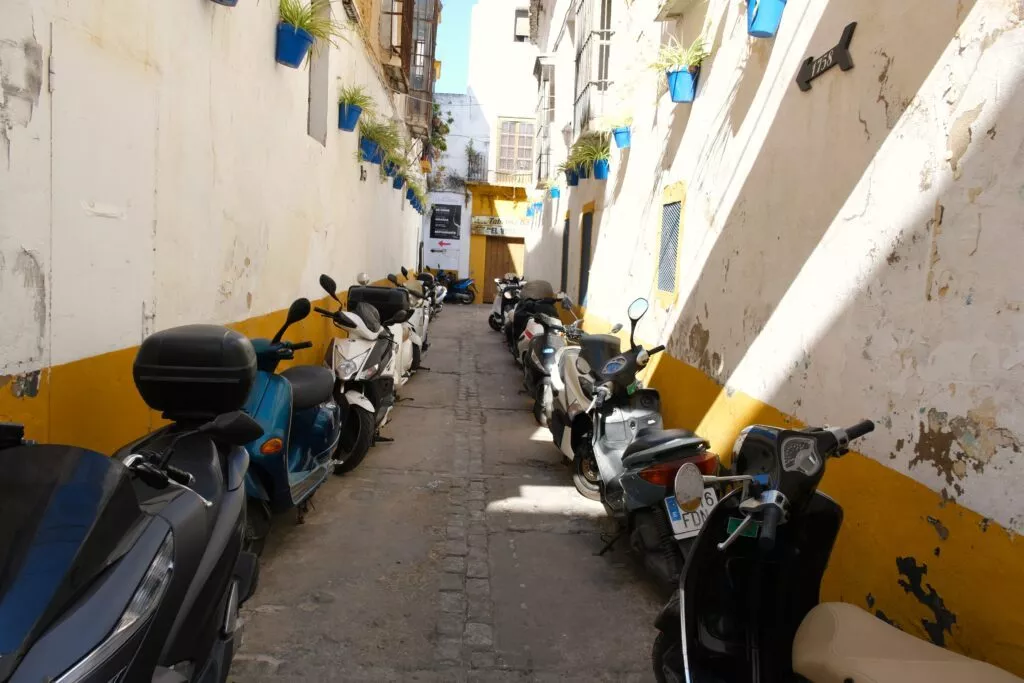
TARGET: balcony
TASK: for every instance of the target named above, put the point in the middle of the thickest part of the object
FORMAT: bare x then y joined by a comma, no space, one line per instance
592,60
408,33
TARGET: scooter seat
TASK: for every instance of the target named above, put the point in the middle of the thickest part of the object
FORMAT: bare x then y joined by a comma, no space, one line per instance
839,642
650,443
311,385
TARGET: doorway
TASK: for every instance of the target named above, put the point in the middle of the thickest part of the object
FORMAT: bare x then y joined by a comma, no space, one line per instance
587,230
502,255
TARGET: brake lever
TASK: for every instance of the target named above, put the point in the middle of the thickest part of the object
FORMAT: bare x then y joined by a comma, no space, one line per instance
737,533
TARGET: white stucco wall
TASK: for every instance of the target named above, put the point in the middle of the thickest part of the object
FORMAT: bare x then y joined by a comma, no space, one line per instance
169,177
848,251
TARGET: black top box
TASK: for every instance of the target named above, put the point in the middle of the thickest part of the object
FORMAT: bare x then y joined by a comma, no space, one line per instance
387,300
195,372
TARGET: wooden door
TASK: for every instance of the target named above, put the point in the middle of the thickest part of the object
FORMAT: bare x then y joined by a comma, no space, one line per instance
502,255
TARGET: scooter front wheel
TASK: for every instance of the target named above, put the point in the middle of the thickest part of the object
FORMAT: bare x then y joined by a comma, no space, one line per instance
585,477
494,323
667,658
357,432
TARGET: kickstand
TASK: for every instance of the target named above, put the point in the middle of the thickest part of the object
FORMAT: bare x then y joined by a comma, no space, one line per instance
423,367
300,512
384,439
399,400
609,544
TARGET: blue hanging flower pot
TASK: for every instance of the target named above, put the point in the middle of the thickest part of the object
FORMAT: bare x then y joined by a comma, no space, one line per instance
390,170
368,150
530,211
601,169
398,182
293,44
682,83
409,194
572,178
583,170
623,136
555,193
348,116
226,3
764,17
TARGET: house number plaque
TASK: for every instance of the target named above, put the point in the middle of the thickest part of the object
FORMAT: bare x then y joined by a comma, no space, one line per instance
840,54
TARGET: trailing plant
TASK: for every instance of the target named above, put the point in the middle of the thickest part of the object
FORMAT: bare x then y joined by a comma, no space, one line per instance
440,126
356,95
313,18
591,147
674,57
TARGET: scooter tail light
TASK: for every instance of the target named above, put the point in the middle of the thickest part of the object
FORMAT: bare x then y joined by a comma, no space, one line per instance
664,473
272,446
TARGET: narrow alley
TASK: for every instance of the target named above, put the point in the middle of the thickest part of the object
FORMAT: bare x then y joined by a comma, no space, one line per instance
461,551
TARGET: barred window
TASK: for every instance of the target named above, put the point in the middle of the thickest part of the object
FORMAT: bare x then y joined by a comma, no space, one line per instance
668,250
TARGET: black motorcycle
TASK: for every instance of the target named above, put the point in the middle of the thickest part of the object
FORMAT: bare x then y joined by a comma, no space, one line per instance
753,574
131,568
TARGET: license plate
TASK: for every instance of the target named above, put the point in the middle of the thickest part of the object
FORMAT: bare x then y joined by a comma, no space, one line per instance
688,524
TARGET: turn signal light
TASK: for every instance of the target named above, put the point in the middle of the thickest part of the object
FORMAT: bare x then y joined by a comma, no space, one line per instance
664,473
272,446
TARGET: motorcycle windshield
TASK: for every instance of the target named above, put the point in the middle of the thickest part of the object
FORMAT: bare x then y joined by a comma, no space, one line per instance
64,511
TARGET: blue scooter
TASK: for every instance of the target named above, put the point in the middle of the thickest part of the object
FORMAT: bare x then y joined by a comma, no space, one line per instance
301,429
460,291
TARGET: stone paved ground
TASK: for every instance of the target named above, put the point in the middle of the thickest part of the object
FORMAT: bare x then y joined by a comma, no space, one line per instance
460,552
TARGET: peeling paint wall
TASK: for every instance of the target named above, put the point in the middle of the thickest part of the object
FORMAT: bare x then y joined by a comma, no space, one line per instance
156,170
847,252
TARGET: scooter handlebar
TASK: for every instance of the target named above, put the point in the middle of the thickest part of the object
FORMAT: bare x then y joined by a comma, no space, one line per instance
324,312
860,429
302,345
181,476
656,349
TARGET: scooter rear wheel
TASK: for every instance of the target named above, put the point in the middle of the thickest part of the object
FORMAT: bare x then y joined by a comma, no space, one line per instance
494,323
585,477
257,525
357,432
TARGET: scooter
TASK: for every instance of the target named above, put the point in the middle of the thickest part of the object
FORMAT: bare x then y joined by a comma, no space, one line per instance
367,364
302,428
748,606
505,297
419,317
462,291
547,338
536,296
131,568
621,454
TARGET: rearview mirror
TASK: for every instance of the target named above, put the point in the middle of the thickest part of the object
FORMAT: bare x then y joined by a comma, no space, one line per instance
393,279
363,279
405,273
399,317
618,326
235,428
299,309
637,309
689,487
329,286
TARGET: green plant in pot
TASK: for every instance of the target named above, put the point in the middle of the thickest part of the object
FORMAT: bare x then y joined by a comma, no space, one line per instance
593,151
303,26
568,167
682,67
621,128
377,139
353,101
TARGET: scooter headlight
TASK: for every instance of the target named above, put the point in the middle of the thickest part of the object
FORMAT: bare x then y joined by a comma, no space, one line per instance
347,368
140,608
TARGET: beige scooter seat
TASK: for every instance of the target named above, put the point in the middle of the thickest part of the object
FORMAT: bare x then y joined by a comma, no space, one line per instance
839,642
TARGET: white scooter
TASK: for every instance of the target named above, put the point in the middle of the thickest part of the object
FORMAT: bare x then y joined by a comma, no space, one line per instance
504,299
419,316
370,366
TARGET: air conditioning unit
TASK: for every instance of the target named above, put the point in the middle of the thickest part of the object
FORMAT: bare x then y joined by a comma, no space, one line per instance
352,10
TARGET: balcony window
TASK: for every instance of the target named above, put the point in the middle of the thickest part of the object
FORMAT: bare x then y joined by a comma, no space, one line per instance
593,50
522,26
515,152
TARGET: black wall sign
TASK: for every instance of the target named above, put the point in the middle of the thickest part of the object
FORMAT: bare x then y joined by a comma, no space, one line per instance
840,54
445,220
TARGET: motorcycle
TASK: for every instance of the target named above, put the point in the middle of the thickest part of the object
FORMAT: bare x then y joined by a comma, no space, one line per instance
369,364
536,296
506,297
419,317
131,568
434,290
748,609
461,291
547,338
302,429
621,454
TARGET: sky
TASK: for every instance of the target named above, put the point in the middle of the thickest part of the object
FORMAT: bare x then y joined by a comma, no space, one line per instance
453,45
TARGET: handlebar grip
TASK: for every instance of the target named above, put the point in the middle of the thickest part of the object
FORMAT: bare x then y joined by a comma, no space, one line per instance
323,311
860,429
769,524
302,345
181,476
656,349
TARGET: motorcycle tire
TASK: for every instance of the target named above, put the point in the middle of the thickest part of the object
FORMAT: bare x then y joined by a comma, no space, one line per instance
667,657
257,526
585,477
542,403
417,357
357,433
495,325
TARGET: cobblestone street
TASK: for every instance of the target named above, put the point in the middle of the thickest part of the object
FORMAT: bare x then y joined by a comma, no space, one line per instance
459,552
